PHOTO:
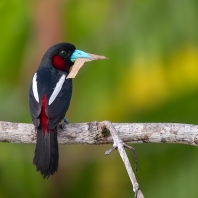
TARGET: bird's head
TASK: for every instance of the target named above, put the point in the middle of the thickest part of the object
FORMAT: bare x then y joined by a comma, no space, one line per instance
62,56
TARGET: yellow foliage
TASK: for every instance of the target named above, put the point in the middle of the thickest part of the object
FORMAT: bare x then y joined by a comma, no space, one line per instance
150,82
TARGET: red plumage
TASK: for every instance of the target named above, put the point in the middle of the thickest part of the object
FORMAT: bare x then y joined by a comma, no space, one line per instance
43,116
59,63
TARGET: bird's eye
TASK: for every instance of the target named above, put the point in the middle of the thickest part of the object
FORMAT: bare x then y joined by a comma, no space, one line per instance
64,53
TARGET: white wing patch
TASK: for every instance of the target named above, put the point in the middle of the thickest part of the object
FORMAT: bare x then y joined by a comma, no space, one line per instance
57,89
34,88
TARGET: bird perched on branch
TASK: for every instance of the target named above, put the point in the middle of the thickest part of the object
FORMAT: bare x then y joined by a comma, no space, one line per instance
49,98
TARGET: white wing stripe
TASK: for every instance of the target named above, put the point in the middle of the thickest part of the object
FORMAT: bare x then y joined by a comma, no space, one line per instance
57,89
34,88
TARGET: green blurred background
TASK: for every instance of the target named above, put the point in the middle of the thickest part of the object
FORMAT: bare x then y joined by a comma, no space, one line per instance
151,76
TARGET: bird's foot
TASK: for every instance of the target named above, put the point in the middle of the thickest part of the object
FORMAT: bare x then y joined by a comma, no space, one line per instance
65,121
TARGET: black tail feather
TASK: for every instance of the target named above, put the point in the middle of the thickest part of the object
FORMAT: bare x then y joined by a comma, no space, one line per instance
46,153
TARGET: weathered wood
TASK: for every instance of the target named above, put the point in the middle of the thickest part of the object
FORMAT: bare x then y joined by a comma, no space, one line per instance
95,133
90,133
119,144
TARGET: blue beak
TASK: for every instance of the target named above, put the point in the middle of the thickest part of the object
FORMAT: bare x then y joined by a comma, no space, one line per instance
79,54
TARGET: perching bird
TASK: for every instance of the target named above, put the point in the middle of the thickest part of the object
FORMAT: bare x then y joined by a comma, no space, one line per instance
49,98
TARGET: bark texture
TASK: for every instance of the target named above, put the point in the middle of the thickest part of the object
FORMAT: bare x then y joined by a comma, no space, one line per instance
94,133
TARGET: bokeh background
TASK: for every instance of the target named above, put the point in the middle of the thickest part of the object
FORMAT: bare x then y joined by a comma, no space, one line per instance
151,76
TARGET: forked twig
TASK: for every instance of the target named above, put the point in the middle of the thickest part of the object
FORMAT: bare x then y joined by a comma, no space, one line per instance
134,155
119,144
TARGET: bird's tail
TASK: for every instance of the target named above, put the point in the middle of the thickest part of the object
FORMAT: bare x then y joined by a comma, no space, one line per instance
46,152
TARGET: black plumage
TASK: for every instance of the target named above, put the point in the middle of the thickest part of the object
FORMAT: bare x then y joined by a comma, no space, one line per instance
46,116
46,152
49,98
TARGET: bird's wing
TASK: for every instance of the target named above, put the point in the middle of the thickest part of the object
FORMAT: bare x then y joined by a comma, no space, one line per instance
35,107
58,105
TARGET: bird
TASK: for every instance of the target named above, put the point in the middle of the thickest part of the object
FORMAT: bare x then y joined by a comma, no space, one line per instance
49,99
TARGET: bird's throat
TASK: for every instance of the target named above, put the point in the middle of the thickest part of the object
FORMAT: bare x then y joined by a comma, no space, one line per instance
60,64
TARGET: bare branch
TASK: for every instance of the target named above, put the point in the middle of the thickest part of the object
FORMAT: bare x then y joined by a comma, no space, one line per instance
95,133
91,133
119,144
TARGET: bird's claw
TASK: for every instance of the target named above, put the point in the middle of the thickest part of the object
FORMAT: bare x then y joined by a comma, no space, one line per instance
65,121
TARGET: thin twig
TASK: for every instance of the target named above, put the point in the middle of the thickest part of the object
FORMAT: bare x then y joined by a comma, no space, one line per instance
119,144
134,155
110,150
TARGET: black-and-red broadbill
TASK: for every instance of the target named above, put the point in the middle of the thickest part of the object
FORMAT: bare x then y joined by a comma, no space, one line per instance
49,98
